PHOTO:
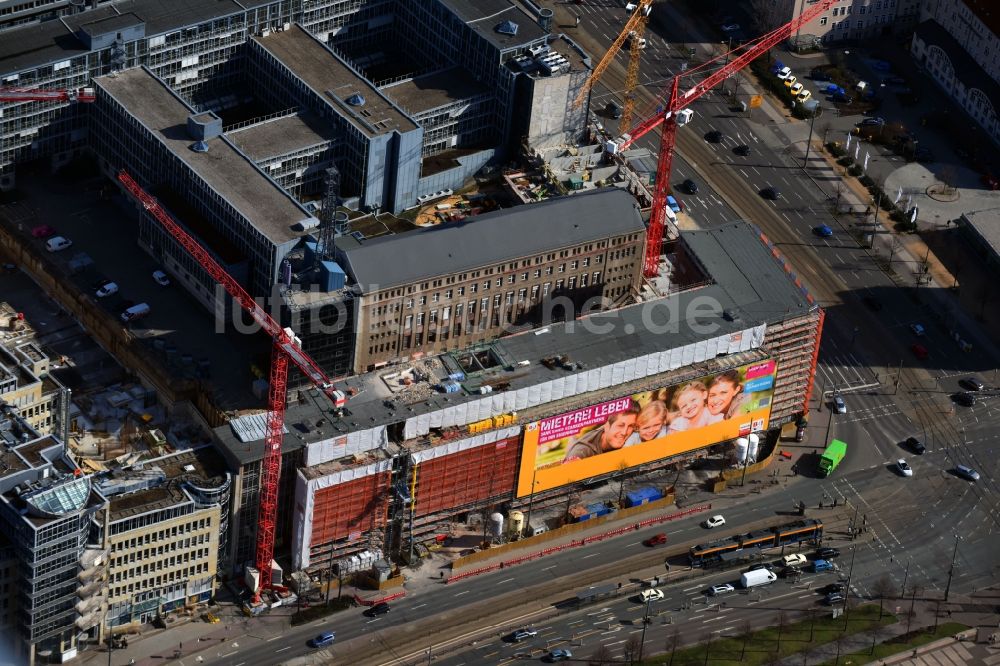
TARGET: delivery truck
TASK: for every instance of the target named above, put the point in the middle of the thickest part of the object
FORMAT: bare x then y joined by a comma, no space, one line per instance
757,577
832,456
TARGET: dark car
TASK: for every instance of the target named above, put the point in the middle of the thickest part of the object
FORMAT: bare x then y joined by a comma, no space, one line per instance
827,553
823,231
840,98
789,572
762,565
742,150
964,398
715,136
378,609
771,193
872,303
800,433
973,384
43,231
915,445
834,598
967,473
690,186
613,110
324,639
819,75
656,539
832,588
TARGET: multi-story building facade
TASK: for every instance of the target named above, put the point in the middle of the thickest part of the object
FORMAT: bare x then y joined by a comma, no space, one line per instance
164,531
458,284
958,44
25,384
847,20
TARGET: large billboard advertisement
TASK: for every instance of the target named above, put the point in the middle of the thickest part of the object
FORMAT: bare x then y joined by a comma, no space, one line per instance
644,427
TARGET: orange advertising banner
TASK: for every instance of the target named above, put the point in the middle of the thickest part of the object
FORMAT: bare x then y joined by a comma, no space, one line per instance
644,427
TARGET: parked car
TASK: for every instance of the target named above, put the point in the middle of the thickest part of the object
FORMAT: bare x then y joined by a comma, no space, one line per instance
559,654
107,289
378,609
652,594
672,203
763,565
964,398
839,405
43,231
834,598
877,122
819,75
714,521
842,98
919,351
804,96
656,539
904,468
915,445
784,73
324,639
690,186
771,193
832,587
796,88
790,81
730,27
742,150
523,634
715,136
716,590
918,329
58,243
161,278
973,383
827,553
823,231
967,473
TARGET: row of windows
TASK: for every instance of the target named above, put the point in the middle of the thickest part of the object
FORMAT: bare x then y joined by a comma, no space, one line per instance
166,578
159,550
160,564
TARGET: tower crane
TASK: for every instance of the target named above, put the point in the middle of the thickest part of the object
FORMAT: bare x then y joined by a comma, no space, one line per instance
673,112
633,31
284,347
38,95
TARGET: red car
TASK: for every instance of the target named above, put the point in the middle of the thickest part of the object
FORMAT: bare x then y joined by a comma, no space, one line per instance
919,351
43,231
656,539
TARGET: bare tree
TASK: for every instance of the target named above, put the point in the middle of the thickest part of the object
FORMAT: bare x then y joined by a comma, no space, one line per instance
602,655
672,643
949,178
782,623
769,14
883,589
745,632
708,646
631,649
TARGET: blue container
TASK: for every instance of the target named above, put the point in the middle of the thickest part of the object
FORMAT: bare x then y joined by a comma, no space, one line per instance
332,276
457,376
451,387
598,509
642,496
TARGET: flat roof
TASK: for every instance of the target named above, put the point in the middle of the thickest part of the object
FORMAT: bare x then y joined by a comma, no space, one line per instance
335,81
751,287
484,16
281,136
268,208
435,90
36,44
203,466
986,226
494,237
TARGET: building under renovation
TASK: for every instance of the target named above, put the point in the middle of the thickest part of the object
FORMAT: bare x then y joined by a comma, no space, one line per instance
427,441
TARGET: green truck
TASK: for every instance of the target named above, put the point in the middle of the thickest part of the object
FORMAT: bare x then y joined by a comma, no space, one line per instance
834,453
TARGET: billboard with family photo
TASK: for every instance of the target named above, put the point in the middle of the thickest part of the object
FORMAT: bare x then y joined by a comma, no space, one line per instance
643,427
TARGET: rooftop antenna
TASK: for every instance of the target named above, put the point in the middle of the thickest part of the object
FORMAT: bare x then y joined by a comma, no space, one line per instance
328,215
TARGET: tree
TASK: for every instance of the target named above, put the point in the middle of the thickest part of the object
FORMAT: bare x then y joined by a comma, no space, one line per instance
949,178
782,623
883,589
672,643
622,468
631,649
745,632
766,15
602,655
708,646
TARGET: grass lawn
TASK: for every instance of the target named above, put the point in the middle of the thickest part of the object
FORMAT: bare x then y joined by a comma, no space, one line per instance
771,644
901,644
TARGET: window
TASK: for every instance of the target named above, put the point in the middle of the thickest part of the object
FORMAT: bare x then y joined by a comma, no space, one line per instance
435,297
408,322
423,300
572,265
447,294
524,277
583,280
545,288
534,292
597,277
548,270
572,283
538,273
496,301
586,261
500,280
472,288
458,311
485,305
510,297
822,21
862,9
446,314
461,291
861,24
420,319
522,294
409,304
562,268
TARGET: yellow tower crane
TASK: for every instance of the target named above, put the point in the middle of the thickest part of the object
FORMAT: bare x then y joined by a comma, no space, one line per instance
633,34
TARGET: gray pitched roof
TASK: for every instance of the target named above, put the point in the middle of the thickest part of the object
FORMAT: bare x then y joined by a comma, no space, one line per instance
392,261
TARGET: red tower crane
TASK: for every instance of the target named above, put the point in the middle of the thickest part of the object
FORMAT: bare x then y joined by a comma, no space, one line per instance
39,95
669,114
283,348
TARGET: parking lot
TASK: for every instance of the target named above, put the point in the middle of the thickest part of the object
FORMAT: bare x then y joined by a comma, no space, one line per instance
104,248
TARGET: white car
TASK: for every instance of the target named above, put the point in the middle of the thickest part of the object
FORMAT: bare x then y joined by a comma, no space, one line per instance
107,289
804,96
651,594
917,329
714,521
57,243
839,405
784,73
161,278
716,590
904,468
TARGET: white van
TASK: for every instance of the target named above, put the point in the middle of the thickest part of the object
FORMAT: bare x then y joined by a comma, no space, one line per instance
135,312
57,243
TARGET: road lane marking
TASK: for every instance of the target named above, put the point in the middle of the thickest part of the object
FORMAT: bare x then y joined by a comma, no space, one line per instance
287,647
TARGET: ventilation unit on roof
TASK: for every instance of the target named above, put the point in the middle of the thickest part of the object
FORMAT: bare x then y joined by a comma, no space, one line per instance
507,28
357,99
199,147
